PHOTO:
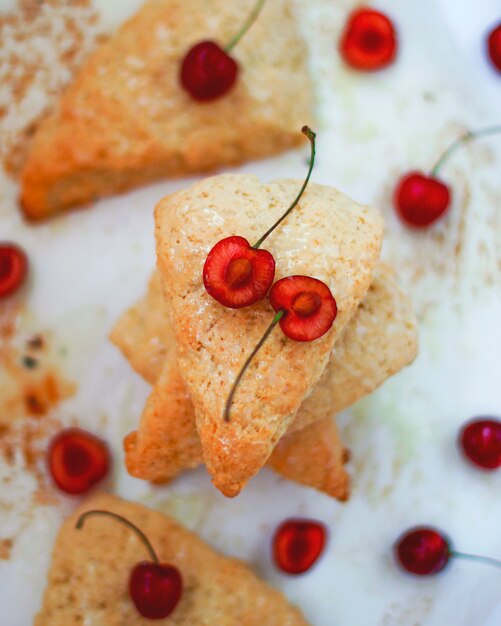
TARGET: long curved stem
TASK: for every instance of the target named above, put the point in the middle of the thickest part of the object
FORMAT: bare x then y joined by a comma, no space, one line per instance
311,136
477,558
229,401
253,15
81,521
462,139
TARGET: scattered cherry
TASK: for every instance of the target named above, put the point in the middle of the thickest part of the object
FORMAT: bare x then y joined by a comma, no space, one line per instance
237,274
425,551
297,545
155,588
305,309
13,268
481,442
208,71
494,47
421,199
369,41
78,460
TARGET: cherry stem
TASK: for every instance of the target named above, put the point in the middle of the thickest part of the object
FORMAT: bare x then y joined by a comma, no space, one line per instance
475,557
253,15
464,138
311,136
81,521
229,401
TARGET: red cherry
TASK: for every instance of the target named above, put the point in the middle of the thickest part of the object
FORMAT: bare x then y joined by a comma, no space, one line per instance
481,443
421,200
155,589
208,72
78,460
310,309
494,47
297,545
369,41
13,268
422,551
237,275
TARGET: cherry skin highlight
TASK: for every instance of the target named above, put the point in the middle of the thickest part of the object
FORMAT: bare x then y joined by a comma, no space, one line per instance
298,544
78,460
237,275
13,268
155,589
480,442
208,72
310,309
422,551
369,41
494,47
421,200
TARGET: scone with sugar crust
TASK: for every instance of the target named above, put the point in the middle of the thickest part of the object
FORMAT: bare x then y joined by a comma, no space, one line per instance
88,578
327,236
126,121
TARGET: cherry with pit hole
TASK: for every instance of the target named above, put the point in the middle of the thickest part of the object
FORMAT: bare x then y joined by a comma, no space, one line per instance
421,199
78,460
237,274
425,551
155,588
13,268
208,71
298,544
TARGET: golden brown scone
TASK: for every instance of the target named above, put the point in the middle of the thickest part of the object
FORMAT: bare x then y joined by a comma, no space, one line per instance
90,568
328,236
315,457
126,121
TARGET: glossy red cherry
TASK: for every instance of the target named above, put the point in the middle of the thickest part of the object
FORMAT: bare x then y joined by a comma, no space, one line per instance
297,545
308,304
13,268
481,442
237,274
369,41
155,588
494,47
420,200
78,460
422,551
208,72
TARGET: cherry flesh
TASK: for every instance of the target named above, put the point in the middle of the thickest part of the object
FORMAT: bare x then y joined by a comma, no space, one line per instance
494,47
297,545
369,41
421,200
480,442
13,268
422,551
78,460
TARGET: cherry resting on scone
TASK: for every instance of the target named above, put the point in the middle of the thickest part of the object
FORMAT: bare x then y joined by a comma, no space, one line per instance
237,274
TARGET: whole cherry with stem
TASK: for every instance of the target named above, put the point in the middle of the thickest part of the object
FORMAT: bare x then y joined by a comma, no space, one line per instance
494,47
13,268
305,309
155,588
208,71
237,274
78,460
298,544
369,40
421,199
480,441
425,551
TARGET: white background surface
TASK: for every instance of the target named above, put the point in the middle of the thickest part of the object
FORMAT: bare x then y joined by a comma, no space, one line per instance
88,266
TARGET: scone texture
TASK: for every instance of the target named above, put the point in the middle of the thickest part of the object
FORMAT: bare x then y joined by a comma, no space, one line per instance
126,121
88,578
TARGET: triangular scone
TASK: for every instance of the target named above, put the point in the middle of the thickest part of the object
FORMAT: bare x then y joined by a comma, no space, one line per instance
88,578
328,236
125,120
